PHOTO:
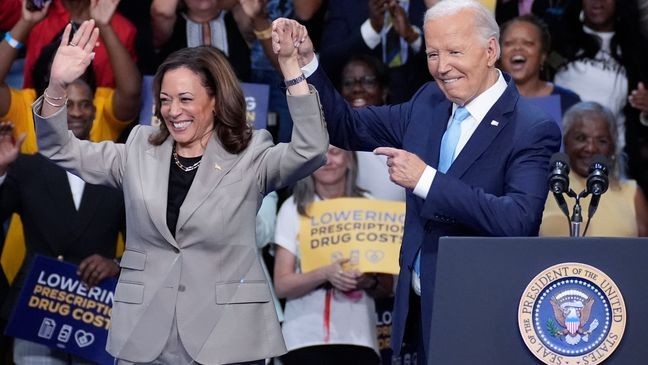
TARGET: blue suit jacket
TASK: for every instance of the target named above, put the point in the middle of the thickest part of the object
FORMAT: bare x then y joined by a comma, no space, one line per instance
495,187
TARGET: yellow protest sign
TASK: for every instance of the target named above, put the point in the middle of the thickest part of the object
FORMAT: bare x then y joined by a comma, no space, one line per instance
368,232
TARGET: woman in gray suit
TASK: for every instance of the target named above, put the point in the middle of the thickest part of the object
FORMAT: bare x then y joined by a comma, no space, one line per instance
191,288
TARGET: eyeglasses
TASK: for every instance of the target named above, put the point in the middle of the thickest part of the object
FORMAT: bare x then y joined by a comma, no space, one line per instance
365,81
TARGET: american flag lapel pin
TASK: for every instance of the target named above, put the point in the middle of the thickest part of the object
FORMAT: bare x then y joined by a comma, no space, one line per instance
495,123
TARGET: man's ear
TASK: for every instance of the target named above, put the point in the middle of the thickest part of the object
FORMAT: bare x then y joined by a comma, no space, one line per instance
493,51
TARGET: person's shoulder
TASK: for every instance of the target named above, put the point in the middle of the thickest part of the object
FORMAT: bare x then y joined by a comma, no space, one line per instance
260,137
288,206
430,91
567,97
141,132
529,111
31,163
559,90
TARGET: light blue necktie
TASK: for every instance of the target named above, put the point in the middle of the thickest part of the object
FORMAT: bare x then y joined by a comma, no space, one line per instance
447,155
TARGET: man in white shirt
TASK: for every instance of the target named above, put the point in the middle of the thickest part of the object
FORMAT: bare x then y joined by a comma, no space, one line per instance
62,216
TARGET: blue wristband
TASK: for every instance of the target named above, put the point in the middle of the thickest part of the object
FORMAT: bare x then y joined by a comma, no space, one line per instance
15,44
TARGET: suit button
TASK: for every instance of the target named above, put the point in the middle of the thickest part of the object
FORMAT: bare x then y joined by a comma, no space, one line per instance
181,288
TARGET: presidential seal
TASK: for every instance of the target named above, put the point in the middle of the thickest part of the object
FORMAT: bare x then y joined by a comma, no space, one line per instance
572,314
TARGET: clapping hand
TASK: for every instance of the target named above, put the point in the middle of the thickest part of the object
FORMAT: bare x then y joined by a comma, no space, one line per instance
73,58
9,146
401,22
639,98
254,8
102,11
34,16
377,9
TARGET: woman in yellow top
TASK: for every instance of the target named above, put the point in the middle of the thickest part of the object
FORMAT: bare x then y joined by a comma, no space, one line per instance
589,129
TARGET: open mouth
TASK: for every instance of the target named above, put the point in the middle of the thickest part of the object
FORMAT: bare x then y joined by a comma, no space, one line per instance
517,62
450,81
358,102
180,125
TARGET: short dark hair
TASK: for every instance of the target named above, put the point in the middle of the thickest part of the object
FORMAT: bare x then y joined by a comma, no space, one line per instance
376,66
218,78
541,26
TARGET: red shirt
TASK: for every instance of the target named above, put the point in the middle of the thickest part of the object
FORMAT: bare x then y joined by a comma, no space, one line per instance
10,11
57,17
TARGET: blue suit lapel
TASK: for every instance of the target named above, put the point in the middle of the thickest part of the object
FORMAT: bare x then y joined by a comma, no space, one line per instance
493,123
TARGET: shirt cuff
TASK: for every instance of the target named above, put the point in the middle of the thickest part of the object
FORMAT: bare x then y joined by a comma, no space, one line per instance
416,45
310,67
425,182
369,35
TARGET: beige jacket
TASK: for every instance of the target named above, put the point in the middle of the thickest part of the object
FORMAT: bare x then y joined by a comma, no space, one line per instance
210,275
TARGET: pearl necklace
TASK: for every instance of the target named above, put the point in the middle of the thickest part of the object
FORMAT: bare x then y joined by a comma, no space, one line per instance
181,166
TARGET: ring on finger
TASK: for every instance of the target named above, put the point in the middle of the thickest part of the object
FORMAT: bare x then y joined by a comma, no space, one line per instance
73,44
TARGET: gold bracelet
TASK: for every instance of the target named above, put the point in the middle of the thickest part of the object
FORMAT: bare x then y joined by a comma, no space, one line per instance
264,34
52,97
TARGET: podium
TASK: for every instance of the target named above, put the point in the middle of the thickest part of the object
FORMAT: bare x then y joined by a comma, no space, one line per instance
478,300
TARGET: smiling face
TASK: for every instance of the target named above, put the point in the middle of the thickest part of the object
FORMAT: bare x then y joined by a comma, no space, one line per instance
587,138
187,109
522,53
360,85
335,170
460,60
599,14
80,109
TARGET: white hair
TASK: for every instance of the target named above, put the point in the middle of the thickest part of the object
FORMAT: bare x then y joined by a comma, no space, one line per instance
484,17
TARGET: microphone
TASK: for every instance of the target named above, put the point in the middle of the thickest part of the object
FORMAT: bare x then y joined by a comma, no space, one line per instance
597,182
559,173
559,179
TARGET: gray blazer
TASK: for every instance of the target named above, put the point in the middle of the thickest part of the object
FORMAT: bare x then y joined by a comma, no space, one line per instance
210,275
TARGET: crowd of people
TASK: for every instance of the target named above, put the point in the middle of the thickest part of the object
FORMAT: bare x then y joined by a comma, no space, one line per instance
407,84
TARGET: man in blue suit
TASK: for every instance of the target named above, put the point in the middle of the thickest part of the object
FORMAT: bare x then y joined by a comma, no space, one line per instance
471,153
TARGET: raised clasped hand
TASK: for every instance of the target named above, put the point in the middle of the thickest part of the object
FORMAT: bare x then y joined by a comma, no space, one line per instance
289,36
73,58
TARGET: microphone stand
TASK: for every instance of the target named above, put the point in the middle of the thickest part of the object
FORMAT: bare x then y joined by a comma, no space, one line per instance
577,216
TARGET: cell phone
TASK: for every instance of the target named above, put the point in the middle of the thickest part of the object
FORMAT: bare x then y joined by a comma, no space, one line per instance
35,5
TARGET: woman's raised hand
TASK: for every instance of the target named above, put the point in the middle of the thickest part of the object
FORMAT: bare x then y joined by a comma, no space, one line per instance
287,36
73,58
